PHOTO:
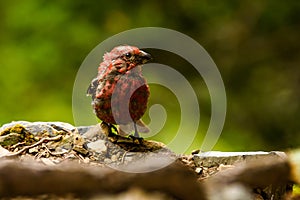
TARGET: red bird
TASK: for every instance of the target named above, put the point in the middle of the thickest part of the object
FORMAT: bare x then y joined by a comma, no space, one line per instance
120,92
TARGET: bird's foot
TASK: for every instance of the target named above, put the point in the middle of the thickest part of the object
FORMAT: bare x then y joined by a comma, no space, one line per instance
139,139
113,134
136,135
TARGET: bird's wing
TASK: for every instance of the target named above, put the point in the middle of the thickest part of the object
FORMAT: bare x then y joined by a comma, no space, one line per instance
91,91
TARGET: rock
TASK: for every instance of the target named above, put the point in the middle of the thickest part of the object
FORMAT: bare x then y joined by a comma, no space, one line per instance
39,128
92,133
47,162
198,170
114,158
215,158
97,146
135,194
228,175
263,174
232,192
41,139
195,151
83,180
3,152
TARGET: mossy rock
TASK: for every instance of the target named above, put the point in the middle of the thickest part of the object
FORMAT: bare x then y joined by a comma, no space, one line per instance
15,134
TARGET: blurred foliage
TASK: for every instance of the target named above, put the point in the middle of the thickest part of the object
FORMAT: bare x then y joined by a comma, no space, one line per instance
254,43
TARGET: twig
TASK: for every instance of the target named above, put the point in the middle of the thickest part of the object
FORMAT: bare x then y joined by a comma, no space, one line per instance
123,157
79,156
15,145
55,153
58,137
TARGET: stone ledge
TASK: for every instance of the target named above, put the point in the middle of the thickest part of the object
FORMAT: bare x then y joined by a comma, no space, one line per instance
216,158
39,148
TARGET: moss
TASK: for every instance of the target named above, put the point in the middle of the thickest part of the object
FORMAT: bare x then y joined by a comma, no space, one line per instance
18,128
10,139
14,135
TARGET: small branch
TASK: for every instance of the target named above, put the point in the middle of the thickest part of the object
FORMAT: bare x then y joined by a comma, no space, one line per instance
16,145
123,157
54,153
11,155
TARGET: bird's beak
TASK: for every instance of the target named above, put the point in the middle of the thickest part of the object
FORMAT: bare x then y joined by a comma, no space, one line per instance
144,57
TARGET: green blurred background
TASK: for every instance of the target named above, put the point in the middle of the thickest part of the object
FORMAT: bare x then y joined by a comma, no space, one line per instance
254,43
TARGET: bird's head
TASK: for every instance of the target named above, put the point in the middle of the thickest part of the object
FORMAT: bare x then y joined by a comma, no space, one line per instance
125,58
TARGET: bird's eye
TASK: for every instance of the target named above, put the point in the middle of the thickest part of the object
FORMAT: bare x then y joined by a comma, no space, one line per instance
128,55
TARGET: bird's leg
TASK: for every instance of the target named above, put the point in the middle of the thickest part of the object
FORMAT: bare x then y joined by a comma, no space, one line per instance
136,134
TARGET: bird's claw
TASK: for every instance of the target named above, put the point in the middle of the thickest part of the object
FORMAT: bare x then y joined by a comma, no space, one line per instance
139,139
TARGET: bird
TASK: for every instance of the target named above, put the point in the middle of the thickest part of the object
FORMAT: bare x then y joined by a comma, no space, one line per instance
120,93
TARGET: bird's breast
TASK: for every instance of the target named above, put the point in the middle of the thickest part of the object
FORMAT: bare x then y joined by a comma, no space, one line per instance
121,99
